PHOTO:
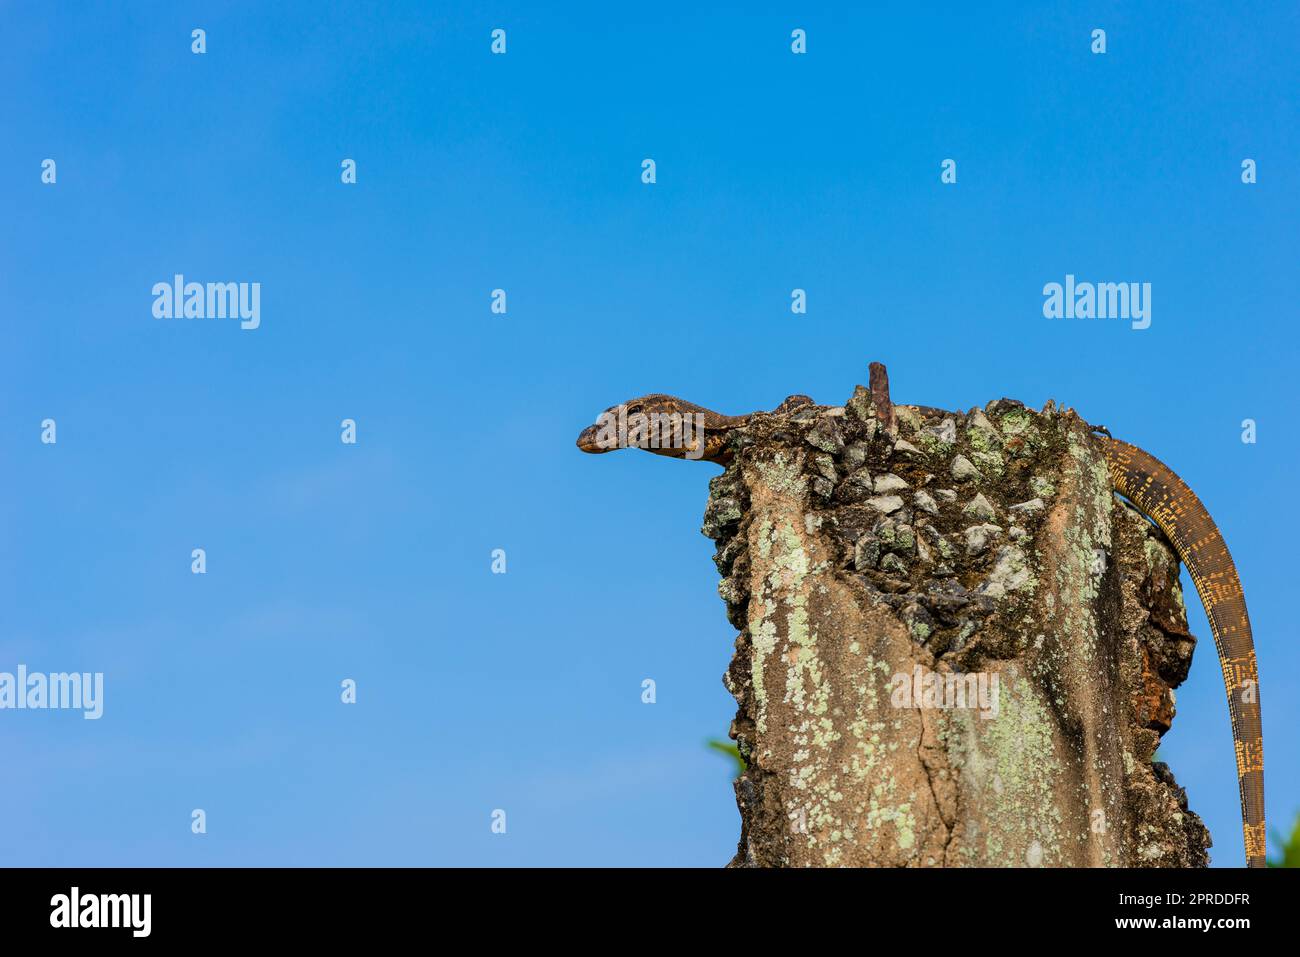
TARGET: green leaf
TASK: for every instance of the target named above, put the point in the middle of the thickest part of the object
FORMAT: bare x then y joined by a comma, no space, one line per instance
730,750
1289,848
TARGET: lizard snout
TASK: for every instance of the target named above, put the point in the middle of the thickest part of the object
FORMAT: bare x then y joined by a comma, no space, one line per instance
588,441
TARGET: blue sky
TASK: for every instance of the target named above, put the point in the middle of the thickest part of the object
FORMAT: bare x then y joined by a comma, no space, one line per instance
775,171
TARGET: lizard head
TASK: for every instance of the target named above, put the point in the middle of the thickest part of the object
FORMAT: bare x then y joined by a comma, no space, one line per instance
604,434
658,423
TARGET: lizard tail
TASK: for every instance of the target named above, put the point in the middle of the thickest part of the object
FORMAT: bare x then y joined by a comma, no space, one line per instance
1165,499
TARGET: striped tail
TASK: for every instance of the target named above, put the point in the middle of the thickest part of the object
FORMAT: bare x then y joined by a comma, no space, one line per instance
1164,498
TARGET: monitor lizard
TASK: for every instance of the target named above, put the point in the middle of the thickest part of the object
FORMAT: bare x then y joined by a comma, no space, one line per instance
1138,476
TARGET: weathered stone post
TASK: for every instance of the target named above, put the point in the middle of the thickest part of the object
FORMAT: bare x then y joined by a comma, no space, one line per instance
956,646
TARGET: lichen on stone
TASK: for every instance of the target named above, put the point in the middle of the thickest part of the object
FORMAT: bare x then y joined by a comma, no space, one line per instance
846,561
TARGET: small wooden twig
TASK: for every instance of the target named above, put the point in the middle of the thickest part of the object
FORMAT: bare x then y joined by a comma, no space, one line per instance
880,397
